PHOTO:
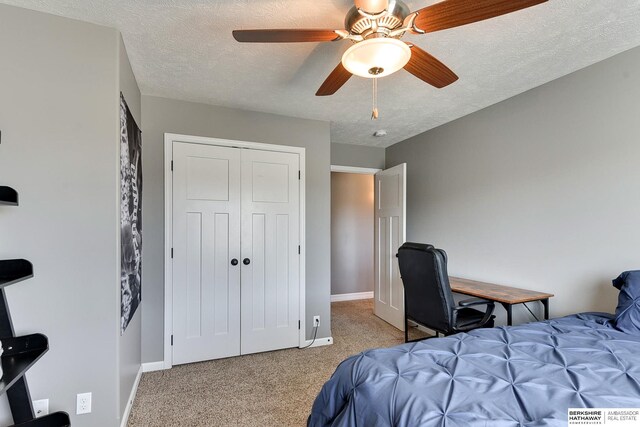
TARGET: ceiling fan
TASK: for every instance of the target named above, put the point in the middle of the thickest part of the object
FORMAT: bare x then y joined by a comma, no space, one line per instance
376,27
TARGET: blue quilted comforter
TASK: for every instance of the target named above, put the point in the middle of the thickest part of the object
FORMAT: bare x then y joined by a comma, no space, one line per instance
525,375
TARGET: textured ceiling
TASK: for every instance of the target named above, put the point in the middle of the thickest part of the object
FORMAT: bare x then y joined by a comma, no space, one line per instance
183,49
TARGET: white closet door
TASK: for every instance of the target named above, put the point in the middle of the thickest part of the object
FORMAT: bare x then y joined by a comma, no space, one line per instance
270,239
390,234
206,237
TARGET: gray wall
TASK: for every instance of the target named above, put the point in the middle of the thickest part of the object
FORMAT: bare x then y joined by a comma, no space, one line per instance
161,115
60,140
357,155
351,233
540,191
130,351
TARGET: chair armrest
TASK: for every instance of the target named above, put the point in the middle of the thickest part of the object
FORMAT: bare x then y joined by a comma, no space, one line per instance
474,301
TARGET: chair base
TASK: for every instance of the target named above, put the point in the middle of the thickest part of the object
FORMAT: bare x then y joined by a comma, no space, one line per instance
490,324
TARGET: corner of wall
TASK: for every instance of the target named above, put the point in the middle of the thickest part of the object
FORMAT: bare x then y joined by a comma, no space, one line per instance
129,344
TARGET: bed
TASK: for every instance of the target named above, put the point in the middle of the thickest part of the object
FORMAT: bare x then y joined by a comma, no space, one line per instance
528,375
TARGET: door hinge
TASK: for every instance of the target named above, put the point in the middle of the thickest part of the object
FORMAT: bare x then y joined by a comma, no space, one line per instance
299,250
299,324
171,339
299,175
171,253
171,165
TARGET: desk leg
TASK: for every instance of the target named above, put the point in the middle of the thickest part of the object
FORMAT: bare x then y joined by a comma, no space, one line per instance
545,303
508,308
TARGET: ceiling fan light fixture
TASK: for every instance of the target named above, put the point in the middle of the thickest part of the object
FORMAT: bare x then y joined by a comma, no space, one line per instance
377,57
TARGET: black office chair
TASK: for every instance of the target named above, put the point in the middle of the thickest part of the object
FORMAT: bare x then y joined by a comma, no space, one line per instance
428,300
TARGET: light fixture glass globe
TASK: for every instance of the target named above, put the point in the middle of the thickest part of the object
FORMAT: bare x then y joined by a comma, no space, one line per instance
377,57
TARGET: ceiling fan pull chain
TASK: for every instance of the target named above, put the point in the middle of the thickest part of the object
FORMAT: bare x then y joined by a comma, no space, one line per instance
374,112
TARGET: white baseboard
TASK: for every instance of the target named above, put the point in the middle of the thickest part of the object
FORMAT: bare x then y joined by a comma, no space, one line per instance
132,396
351,297
319,342
153,366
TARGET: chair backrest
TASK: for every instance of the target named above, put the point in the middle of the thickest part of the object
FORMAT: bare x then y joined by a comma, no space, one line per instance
428,297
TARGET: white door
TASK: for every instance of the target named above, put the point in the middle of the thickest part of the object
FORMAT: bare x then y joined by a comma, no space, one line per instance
236,262
270,250
390,234
206,238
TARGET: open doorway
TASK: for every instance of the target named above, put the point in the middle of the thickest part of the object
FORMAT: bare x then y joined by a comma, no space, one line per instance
368,225
352,233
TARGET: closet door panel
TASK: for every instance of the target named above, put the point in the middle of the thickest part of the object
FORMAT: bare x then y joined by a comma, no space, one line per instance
231,203
270,239
206,237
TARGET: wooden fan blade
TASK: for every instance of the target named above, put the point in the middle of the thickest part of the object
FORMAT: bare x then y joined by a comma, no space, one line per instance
335,81
454,13
285,36
426,67
372,6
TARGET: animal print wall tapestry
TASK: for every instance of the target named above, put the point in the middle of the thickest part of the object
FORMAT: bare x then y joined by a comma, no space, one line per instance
130,215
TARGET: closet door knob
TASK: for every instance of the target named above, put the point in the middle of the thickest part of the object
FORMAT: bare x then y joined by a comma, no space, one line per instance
246,261
234,262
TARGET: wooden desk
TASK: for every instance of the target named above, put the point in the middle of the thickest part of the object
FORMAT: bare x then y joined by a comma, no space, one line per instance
505,295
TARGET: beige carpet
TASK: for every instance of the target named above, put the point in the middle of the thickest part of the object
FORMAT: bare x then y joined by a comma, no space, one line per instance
265,389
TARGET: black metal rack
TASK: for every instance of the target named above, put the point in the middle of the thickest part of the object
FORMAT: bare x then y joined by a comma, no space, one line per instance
8,196
20,353
14,271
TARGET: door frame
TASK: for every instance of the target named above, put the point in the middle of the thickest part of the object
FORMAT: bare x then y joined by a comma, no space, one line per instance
360,171
355,169
169,139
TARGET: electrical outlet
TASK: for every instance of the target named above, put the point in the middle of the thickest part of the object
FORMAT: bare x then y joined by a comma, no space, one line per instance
316,321
83,404
41,407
